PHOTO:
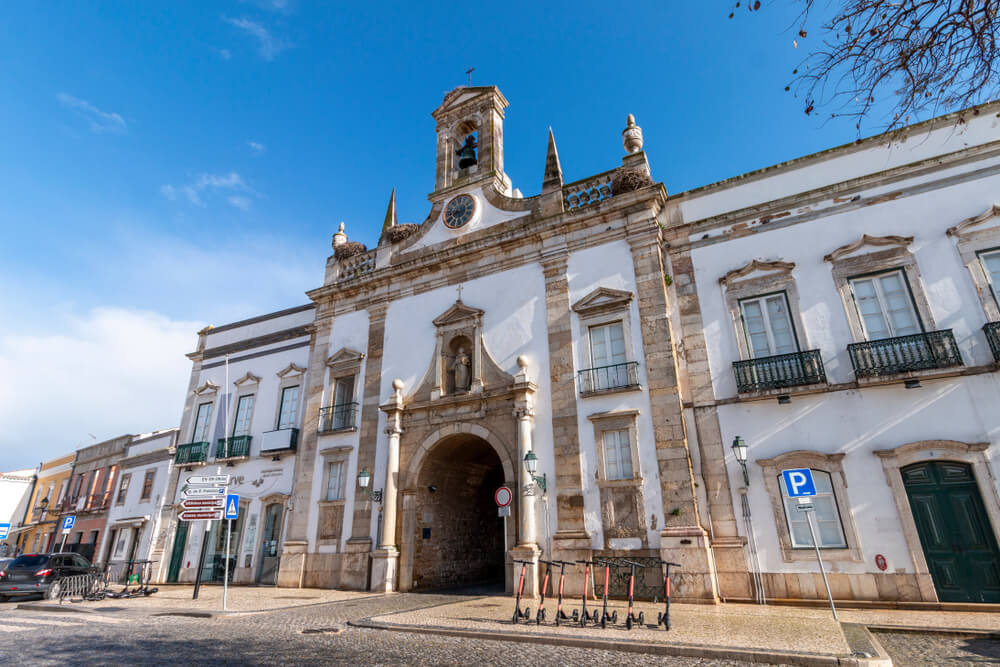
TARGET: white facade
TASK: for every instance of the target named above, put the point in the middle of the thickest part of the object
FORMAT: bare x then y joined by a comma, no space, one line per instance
15,494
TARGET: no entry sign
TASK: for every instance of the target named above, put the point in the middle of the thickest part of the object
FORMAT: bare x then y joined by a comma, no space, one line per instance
503,496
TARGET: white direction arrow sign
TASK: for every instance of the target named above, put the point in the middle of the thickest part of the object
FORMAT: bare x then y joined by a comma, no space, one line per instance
204,503
205,491
198,515
208,479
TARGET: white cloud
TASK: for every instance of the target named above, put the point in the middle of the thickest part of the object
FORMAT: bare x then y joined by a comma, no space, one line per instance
242,203
256,147
108,371
268,46
210,183
99,121
225,54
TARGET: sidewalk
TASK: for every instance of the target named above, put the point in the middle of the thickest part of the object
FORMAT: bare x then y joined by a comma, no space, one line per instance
176,600
792,635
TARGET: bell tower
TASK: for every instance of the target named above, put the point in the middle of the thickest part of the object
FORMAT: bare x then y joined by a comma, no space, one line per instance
470,140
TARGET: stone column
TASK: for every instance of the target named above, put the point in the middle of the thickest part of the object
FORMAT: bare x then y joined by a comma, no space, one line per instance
294,557
385,559
683,539
527,541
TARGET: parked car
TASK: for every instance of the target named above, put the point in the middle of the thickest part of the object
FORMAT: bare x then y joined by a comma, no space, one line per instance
39,574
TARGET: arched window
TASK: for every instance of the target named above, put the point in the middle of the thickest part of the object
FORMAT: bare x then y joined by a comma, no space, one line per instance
829,529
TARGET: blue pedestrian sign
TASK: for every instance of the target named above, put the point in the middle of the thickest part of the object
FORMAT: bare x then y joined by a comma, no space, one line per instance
232,506
799,482
4,530
67,524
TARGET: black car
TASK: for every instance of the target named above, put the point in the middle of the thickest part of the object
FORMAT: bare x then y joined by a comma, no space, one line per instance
39,574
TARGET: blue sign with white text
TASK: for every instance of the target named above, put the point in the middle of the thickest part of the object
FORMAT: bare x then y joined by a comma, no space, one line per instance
799,482
232,506
4,530
68,522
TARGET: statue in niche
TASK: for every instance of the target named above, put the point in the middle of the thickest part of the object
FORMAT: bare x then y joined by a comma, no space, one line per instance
462,367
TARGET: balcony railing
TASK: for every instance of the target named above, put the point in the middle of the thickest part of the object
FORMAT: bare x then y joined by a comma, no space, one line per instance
97,501
779,371
192,452
67,504
235,447
341,417
992,331
605,378
931,349
278,440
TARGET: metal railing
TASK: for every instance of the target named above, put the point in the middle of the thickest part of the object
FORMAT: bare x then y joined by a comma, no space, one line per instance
278,440
778,371
931,349
233,447
992,331
76,586
604,378
98,501
192,452
338,417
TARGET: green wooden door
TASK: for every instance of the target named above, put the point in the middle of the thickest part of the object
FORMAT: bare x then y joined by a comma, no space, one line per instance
177,554
955,531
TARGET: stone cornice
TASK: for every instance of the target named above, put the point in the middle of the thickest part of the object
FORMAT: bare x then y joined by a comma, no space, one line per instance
868,241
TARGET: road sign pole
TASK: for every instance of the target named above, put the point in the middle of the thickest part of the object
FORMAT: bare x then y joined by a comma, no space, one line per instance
819,559
201,560
63,547
225,564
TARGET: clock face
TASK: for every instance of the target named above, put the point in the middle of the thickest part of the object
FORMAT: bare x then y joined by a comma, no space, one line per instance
459,211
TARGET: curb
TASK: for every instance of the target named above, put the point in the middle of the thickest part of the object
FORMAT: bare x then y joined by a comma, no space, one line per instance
934,630
680,650
41,606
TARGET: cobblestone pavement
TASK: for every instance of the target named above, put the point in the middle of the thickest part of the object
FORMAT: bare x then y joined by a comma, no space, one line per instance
48,638
910,648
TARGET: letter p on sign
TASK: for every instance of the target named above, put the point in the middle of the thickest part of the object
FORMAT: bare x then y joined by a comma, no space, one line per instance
799,482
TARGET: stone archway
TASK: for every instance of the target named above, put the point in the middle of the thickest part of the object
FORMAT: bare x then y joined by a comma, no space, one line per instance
450,533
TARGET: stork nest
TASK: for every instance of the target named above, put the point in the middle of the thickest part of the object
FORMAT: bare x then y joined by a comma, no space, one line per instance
628,180
398,233
349,249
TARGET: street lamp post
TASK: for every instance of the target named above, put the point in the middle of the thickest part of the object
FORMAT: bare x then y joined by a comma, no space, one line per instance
740,452
364,477
531,465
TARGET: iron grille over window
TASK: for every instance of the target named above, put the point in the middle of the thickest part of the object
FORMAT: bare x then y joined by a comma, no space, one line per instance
338,417
778,371
604,378
931,349
193,452
233,447
992,331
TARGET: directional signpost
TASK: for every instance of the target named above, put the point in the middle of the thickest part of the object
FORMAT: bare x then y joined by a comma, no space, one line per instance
203,498
204,491
799,484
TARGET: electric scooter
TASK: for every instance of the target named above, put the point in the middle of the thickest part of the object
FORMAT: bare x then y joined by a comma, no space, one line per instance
586,584
630,618
605,616
540,614
560,614
518,612
664,618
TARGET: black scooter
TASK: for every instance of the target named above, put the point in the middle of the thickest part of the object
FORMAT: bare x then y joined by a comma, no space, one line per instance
583,618
560,614
630,618
664,618
605,616
518,612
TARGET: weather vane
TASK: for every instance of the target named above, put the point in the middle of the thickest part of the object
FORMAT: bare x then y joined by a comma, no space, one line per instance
468,73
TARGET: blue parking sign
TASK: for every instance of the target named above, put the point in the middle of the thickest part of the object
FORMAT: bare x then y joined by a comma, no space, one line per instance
799,482
67,524
4,530
232,506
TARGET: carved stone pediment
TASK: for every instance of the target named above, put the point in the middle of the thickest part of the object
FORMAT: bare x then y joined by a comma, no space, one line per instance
757,269
603,300
869,243
345,356
247,380
969,225
458,314
291,370
207,389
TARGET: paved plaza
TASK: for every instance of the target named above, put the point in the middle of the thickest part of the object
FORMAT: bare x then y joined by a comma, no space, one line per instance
309,626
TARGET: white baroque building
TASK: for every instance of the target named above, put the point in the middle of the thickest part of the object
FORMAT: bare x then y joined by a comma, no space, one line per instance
833,312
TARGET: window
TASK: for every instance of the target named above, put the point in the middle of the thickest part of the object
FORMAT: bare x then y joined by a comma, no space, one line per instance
829,530
768,326
93,536
335,481
991,265
123,488
244,409
147,484
885,306
201,423
62,491
288,412
607,345
78,537
617,454
79,485
343,396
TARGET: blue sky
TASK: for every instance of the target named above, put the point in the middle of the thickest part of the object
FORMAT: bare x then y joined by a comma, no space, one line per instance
170,165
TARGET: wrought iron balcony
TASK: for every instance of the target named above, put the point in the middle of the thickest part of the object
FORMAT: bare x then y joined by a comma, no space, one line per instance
343,417
237,446
992,331
97,501
779,371
606,378
282,439
931,349
192,452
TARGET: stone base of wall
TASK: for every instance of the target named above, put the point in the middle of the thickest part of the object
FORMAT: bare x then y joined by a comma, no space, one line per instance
321,571
355,565
695,580
869,587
